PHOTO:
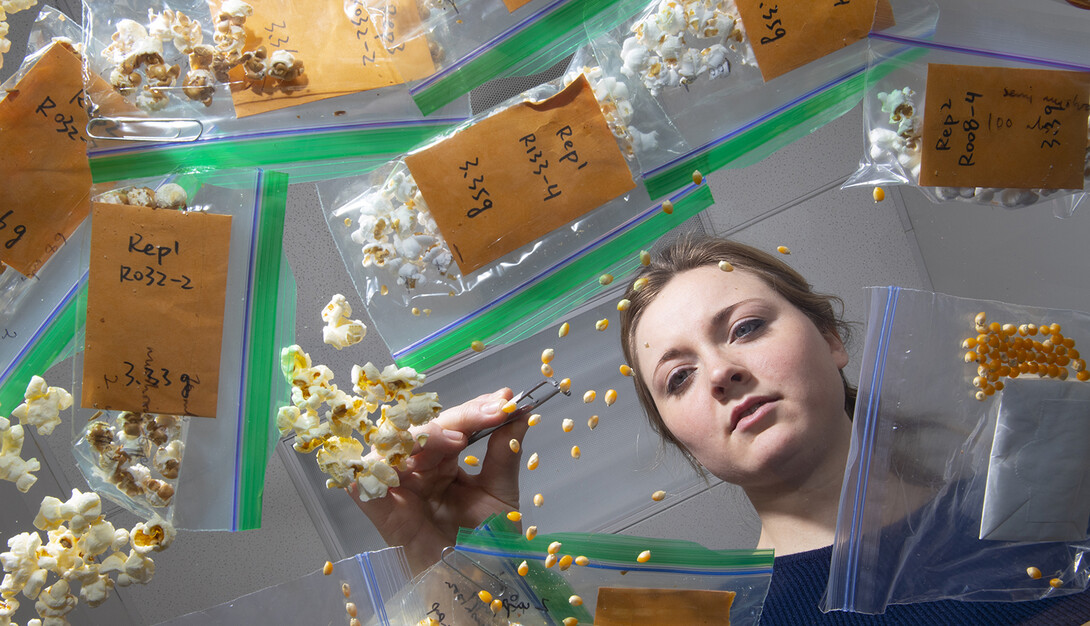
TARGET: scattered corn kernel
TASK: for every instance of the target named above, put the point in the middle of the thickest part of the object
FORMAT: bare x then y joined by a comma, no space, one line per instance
592,422
510,406
384,290
602,324
1033,572
623,304
565,385
1055,583
575,452
496,606
354,622
645,257
567,425
514,516
564,328
570,621
524,568
550,560
697,177
348,222
667,207
547,370
1082,376
514,445
416,311
575,601
725,266
477,346
582,561
485,596
471,460
327,569
783,249
532,463
346,590
554,547
644,556
539,499
639,284
531,532
610,397
605,279
658,496
879,194
625,370
980,318
350,608
534,419
589,396
427,312
564,563
547,355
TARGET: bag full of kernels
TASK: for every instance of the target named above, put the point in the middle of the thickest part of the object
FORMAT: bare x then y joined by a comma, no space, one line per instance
971,125
967,477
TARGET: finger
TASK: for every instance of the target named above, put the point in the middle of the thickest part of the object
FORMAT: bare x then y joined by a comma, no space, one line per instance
449,433
500,469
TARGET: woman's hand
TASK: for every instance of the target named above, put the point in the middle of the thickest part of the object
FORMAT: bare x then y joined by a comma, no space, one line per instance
436,496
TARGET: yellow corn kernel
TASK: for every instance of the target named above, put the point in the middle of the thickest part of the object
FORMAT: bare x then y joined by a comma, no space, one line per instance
510,406
427,312
575,452
589,396
602,324
485,596
477,345
625,369
567,425
534,419
644,556
471,460
550,560
623,304
496,606
639,284
564,328
564,563
879,194
565,385
348,222
783,249
1009,329
1033,573
995,327
350,608
514,445
1082,376
1055,583
547,355
384,290
532,463
514,516
980,318
554,547
327,569
645,258
610,397
582,561
667,207
524,568
539,499
531,532
592,422
1031,329
697,177
605,279
725,266
570,621
980,395
416,311
575,601
547,370
346,590
970,356
354,622
658,496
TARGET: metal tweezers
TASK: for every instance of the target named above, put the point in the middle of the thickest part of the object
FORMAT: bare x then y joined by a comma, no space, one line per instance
524,409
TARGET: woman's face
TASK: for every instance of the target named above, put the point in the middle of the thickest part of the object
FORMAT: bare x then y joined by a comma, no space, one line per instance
741,376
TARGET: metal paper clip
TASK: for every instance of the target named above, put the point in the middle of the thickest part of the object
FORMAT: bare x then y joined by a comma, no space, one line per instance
144,129
524,409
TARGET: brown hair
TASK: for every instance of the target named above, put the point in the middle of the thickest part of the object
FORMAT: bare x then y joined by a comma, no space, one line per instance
693,251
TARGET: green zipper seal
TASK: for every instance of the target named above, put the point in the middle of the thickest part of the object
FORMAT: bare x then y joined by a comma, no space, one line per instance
47,350
262,358
263,151
771,135
533,49
540,304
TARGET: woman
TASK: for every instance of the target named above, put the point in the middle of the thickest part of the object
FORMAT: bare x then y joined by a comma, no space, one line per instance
739,364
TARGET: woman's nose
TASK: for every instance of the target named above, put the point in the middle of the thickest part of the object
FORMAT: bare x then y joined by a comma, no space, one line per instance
726,377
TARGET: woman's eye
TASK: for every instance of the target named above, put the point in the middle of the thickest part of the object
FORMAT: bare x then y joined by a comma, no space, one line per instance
677,380
746,327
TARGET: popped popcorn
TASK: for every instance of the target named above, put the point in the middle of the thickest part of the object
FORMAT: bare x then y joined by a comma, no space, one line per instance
10,6
13,467
122,451
167,196
340,331
43,405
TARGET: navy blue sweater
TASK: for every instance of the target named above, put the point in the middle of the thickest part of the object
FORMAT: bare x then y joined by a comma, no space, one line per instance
798,582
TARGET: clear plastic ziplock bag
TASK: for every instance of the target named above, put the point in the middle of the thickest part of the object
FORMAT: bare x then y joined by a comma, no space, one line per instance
221,474
356,587
609,574
939,500
708,80
991,148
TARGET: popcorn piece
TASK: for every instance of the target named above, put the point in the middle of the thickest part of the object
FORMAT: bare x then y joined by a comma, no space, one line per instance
43,406
13,467
154,535
21,564
56,600
375,479
138,568
340,331
79,511
168,459
171,196
341,458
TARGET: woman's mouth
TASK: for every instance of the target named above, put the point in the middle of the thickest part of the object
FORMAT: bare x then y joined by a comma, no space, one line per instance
749,411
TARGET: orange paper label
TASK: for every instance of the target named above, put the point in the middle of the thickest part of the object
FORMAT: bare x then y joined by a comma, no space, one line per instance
786,35
514,5
517,175
155,302
340,54
43,159
1004,127
618,606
